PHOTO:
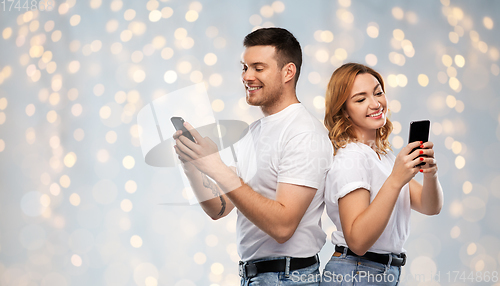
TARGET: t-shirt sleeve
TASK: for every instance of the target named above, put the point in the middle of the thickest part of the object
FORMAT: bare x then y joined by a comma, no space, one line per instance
350,171
305,159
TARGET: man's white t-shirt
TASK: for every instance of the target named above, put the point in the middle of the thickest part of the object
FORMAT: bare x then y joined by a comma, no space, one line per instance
290,146
358,166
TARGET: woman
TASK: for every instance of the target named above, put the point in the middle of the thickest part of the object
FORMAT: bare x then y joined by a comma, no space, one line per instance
369,192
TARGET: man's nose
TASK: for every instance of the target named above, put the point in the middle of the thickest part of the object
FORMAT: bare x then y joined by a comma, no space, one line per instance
247,75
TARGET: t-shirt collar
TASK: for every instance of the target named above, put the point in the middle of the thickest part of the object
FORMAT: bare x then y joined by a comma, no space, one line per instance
283,113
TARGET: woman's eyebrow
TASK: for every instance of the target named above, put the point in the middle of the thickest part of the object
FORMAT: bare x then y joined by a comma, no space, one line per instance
363,92
359,93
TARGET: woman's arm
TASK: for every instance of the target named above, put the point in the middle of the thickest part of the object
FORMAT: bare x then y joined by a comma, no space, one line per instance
363,222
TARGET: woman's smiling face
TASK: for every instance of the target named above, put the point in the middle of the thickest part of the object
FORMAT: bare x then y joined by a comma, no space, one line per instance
366,106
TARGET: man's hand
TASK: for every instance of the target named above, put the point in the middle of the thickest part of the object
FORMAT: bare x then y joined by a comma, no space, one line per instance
187,166
204,154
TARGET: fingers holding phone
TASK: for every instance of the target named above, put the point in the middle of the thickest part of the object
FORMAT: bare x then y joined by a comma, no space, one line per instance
427,153
178,123
191,147
405,164
179,137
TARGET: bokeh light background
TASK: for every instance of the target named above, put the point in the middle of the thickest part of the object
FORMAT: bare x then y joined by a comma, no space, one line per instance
78,205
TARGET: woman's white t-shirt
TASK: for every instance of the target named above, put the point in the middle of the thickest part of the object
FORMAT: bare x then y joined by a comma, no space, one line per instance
358,166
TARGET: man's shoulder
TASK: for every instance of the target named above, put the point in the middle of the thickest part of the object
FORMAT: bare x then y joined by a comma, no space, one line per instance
302,121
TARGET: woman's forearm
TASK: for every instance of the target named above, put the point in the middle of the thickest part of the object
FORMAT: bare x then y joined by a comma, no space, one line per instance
432,195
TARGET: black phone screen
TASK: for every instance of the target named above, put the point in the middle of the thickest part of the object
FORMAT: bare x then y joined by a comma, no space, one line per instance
178,123
419,131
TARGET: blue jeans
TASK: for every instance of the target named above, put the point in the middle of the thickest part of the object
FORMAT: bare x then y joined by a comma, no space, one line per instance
351,270
303,277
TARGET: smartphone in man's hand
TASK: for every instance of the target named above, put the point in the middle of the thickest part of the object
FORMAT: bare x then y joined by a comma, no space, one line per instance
178,123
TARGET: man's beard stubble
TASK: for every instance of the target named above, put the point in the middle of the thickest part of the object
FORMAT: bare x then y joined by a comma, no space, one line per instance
269,99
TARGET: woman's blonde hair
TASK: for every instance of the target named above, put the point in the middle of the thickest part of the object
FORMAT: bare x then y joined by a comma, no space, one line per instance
339,126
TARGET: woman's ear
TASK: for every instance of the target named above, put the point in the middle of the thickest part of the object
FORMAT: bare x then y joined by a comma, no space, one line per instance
345,114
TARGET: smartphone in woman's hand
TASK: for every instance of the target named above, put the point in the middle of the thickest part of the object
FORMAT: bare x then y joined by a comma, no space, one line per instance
419,131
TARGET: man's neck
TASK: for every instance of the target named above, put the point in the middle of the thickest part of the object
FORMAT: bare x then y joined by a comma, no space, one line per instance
284,102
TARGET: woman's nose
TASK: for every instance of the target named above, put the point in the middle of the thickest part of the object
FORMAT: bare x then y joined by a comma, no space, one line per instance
374,104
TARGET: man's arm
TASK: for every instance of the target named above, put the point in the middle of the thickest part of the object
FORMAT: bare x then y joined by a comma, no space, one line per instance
278,218
211,198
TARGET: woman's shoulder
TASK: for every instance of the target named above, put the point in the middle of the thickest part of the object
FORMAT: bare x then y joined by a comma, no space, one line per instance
352,149
352,153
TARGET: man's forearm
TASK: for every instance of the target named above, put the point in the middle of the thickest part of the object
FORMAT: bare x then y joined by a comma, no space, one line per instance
209,195
279,220
268,215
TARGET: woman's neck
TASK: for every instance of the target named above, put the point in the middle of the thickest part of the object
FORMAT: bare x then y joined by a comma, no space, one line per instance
368,138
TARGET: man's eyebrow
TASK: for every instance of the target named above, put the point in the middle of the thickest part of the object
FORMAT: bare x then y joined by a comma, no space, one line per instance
253,64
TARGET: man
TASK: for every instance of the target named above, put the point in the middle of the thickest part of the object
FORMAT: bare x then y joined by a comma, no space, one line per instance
277,186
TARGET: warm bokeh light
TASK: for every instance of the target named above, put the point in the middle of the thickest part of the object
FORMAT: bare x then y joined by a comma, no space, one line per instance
2,145
126,205
65,181
210,59
128,162
488,23
191,16
322,56
200,258
74,199
136,241
76,260
423,80
170,76
371,60
218,105
398,13
130,186
467,187
372,30
215,79
70,159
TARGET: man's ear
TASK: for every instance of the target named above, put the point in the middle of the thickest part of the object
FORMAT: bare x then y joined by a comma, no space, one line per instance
289,71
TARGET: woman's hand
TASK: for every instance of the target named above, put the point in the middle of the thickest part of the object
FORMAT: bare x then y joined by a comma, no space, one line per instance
405,165
430,168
